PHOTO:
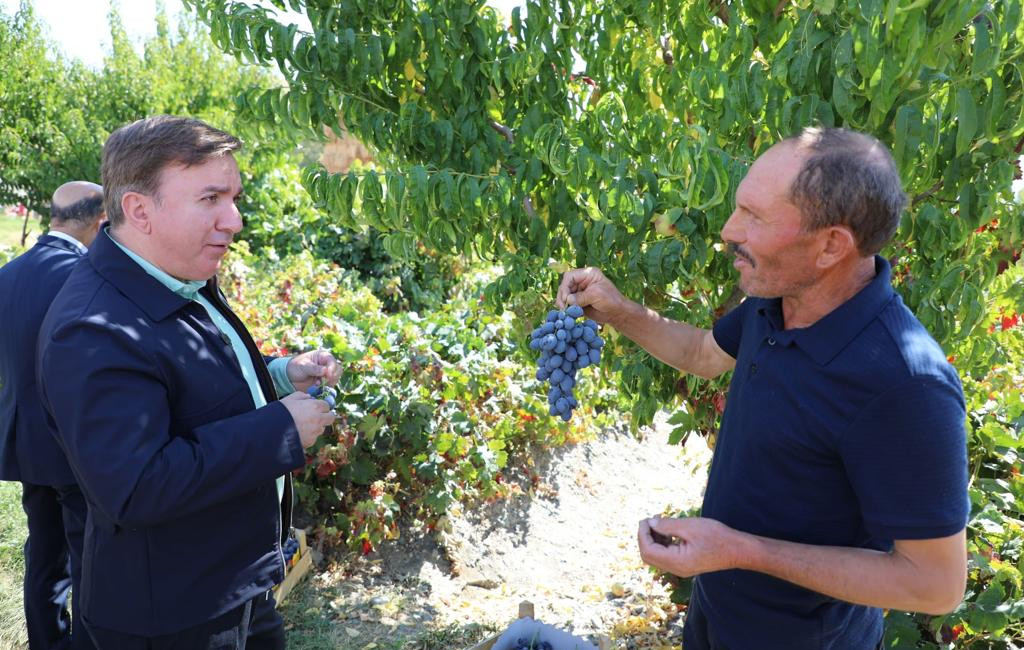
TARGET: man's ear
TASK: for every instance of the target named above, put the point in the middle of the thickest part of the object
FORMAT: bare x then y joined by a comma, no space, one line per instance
837,243
137,209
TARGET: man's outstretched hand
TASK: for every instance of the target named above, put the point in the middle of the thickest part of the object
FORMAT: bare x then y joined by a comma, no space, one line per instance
590,289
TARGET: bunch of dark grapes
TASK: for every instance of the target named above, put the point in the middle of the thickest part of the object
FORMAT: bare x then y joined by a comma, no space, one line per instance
524,643
289,549
319,392
565,346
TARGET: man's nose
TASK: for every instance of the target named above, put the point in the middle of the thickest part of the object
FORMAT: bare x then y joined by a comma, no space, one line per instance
232,220
731,231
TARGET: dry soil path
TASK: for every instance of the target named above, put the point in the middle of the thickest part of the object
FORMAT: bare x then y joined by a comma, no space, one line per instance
568,545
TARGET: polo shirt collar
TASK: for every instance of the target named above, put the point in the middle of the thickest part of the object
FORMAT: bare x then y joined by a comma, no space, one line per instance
824,339
114,263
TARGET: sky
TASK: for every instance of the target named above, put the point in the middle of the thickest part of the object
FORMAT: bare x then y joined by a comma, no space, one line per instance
79,27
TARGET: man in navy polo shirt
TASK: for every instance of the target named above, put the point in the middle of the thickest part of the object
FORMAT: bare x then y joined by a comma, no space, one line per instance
839,481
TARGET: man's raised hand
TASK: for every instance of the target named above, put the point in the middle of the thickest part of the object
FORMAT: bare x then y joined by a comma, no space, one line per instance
590,289
307,368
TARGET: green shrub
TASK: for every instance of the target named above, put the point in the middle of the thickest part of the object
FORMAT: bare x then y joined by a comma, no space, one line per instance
432,406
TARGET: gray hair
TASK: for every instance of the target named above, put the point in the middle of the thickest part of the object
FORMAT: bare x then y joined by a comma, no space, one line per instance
849,179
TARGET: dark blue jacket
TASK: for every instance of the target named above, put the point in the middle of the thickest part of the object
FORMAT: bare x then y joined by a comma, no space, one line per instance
176,464
28,451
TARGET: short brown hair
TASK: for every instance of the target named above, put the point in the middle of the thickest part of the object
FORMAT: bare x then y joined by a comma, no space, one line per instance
848,178
135,154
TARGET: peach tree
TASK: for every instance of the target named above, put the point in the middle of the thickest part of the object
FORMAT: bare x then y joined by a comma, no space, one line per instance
614,134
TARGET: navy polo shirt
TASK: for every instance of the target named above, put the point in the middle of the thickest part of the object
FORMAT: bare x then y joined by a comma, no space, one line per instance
849,432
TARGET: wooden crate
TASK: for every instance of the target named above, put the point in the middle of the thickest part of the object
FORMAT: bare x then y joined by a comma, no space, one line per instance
526,611
300,565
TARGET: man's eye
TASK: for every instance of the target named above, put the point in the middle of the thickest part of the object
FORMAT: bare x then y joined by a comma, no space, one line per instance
211,198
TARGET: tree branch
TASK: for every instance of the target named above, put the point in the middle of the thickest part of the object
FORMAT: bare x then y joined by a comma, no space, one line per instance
528,207
24,227
779,7
924,195
503,130
730,303
720,10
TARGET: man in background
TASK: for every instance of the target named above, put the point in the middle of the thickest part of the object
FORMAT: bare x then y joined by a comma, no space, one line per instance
29,453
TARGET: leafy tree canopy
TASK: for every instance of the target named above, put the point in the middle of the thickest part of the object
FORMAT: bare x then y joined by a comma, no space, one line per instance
58,113
614,134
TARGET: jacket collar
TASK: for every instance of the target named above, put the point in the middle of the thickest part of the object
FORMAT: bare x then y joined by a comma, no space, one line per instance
187,289
58,242
824,339
152,297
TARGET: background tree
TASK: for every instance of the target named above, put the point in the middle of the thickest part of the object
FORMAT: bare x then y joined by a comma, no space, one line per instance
614,134
489,142
58,113
45,134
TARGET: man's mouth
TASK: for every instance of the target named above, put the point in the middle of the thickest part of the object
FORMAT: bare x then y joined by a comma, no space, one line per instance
741,256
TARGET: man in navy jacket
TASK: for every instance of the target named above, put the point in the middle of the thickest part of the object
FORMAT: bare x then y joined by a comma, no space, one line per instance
167,412
54,507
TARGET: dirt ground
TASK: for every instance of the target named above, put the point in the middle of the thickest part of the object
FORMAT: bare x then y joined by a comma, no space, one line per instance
568,545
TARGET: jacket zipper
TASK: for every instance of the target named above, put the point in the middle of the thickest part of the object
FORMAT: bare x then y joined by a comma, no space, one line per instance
284,509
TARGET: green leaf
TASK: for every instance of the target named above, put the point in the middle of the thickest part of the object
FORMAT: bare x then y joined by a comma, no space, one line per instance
907,137
984,52
967,120
901,631
824,7
419,185
995,105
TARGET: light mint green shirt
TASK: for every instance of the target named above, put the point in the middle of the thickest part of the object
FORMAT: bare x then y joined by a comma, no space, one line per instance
189,290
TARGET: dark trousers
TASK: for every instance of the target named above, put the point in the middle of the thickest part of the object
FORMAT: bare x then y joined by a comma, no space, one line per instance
53,565
253,626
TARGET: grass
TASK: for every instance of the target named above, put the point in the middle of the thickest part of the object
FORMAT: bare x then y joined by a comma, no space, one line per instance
10,231
453,636
12,566
311,623
314,624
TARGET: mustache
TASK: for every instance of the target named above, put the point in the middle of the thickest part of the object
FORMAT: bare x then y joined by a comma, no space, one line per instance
739,252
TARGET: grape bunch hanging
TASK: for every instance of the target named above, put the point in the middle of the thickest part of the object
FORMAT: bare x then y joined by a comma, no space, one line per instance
565,346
